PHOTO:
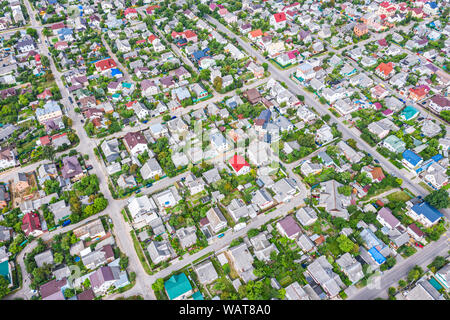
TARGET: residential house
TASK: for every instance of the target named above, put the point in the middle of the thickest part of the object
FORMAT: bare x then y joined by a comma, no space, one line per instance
334,202
425,214
178,287
187,236
71,169
351,268
322,272
135,143
306,215
288,227
241,260
216,219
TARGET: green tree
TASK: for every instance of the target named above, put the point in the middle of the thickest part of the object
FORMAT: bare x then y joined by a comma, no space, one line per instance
438,199
414,274
123,262
51,186
58,258
4,287
48,153
32,32
345,244
217,83
158,285
439,262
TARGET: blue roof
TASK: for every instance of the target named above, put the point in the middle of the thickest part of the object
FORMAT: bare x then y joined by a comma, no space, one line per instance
433,5
377,256
428,211
198,296
265,115
200,54
177,285
411,157
65,31
115,72
437,157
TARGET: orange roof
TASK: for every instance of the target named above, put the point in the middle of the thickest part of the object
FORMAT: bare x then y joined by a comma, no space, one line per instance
385,68
256,33
44,140
419,91
189,34
377,174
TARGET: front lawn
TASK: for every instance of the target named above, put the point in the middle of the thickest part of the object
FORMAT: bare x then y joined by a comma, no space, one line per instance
400,196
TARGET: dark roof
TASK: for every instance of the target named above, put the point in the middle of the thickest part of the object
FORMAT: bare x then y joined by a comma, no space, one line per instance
108,250
100,276
416,229
134,138
86,295
253,95
71,167
289,226
52,287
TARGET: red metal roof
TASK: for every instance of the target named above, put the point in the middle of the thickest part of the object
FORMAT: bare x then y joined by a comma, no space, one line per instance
238,162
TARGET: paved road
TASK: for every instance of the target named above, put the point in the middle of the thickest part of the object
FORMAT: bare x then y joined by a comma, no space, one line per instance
312,100
281,211
390,278
181,111
122,229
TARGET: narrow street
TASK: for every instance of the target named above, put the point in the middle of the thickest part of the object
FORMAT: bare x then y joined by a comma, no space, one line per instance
122,229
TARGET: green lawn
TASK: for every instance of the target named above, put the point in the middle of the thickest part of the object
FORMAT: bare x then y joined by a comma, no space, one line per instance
285,281
399,196
426,186
140,254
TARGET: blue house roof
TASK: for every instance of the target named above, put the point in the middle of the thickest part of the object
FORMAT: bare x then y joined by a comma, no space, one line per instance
65,31
428,211
177,285
265,115
377,256
411,157
198,296
437,157
115,72
200,54
325,158
433,5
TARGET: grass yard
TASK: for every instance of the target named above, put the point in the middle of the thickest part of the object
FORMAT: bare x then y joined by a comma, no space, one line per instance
227,216
426,186
285,281
140,253
234,195
399,196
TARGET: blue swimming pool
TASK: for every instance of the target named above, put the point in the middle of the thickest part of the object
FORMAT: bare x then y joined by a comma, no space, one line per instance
435,284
